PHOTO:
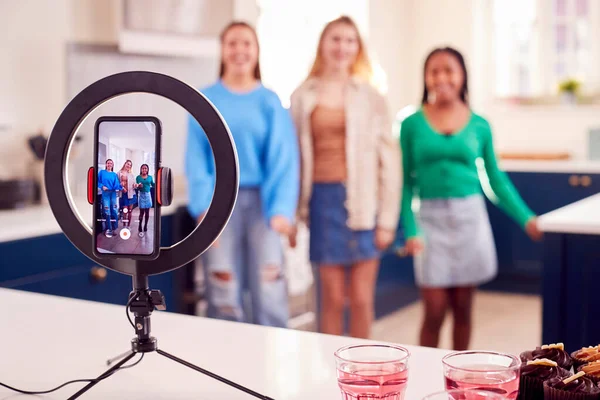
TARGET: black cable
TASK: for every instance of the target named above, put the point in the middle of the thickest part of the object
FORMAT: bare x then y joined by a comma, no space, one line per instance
133,296
100,378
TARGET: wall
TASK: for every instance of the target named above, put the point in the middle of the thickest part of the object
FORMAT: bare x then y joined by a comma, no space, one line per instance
33,62
404,31
32,68
388,44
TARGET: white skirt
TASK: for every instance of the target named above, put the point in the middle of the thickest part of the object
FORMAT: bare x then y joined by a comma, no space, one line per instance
459,244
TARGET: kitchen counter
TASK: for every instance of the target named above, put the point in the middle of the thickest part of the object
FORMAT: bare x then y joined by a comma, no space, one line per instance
570,271
39,220
280,363
565,166
582,217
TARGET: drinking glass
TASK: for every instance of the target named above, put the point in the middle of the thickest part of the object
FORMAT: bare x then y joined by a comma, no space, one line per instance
483,370
378,371
464,395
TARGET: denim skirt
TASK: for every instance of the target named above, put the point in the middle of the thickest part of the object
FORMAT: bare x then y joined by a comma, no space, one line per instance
459,244
331,240
126,201
145,200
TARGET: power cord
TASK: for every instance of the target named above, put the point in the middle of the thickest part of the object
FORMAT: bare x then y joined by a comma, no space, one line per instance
100,378
131,298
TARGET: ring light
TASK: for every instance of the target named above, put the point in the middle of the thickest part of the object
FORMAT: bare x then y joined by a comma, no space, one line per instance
221,142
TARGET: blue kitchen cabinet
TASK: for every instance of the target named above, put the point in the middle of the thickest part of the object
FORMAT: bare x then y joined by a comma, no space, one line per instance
518,256
570,301
52,265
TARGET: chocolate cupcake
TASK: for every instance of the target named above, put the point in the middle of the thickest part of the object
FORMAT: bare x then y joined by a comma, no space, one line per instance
533,376
577,387
592,371
554,352
585,355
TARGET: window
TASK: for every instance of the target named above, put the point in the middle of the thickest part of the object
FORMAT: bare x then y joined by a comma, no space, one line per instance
289,32
539,43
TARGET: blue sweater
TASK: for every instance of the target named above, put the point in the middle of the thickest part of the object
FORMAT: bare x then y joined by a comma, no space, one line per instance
109,179
267,148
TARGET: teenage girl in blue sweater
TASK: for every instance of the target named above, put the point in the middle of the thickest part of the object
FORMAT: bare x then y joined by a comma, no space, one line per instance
108,182
249,249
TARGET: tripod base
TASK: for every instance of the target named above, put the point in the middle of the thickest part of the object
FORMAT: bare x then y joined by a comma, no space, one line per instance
146,346
142,302
150,347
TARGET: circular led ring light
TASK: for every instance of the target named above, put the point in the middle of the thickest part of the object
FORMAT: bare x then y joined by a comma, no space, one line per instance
221,142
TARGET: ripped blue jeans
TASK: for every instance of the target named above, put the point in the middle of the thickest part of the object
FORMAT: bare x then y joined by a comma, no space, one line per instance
110,210
248,256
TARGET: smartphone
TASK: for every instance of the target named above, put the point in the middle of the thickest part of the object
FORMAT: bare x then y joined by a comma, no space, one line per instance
126,213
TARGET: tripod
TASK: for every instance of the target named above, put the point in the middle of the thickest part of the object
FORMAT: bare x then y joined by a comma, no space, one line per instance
142,301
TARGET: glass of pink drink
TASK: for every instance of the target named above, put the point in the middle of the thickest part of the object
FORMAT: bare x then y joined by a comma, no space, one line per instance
372,371
483,371
464,395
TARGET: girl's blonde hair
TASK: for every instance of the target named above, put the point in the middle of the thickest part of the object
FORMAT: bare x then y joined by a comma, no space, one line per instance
124,164
361,67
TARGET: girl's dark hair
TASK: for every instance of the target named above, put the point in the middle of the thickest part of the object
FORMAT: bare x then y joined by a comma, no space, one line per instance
232,25
144,165
106,162
464,91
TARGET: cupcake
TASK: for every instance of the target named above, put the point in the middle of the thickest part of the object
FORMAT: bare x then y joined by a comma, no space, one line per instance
592,370
576,387
533,376
585,355
554,352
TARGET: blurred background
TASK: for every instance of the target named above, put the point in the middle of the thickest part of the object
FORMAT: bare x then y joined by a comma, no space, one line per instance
534,74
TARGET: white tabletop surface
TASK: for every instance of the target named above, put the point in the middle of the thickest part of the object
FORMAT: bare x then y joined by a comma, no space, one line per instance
582,217
48,340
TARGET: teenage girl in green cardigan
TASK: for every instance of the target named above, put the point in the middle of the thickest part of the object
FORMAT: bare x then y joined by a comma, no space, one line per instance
450,236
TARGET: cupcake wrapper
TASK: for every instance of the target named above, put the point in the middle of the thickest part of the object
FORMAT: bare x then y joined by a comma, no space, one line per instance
531,388
555,394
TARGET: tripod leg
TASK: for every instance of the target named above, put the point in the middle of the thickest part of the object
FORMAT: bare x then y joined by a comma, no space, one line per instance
104,375
214,376
112,360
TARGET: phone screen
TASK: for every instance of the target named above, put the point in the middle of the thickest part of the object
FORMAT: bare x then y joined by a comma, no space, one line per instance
125,207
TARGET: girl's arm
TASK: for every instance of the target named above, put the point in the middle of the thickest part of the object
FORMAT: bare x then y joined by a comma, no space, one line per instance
509,199
281,184
407,216
100,184
199,169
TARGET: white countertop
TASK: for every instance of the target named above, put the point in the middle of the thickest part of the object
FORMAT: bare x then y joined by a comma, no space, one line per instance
558,166
39,352
39,220
582,217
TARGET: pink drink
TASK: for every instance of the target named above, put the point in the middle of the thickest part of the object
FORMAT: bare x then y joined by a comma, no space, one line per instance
505,383
485,371
372,372
373,383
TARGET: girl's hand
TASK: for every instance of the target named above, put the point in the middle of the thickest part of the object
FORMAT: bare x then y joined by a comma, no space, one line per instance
281,225
104,188
124,190
413,246
383,238
533,230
